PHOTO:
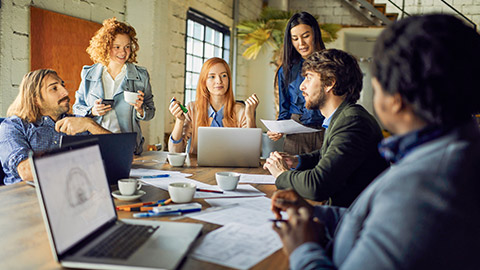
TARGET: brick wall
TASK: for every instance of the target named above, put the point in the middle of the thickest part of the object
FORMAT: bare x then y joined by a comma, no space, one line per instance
336,11
329,11
15,29
470,8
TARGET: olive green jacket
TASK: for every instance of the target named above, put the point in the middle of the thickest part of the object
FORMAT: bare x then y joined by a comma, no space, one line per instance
347,162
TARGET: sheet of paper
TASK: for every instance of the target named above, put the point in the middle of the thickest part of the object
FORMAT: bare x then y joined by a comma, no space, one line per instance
287,126
238,246
254,203
243,213
140,172
164,182
241,191
264,179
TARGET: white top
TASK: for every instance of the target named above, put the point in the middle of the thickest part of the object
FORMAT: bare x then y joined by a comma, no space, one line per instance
110,86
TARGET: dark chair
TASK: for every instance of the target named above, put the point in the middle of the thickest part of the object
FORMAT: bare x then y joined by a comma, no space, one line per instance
2,174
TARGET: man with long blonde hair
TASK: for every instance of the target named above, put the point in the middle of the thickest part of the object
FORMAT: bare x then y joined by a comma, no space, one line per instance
36,120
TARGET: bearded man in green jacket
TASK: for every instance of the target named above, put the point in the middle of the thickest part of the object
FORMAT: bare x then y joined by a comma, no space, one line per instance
349,159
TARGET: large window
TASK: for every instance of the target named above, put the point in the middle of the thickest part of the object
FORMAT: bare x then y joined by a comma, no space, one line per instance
206,38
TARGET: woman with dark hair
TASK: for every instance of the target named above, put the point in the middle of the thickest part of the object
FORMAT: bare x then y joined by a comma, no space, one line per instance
215,106
113,49
302,38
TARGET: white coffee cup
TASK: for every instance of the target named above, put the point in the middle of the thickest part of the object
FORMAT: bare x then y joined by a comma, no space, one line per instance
227,180
130,97
181,192
176,159
128,186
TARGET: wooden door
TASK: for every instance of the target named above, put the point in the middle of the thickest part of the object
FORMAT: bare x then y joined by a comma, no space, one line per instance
59,42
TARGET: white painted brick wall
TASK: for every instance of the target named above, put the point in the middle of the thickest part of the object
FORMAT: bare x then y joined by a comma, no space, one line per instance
470,8
15,28
336,11
328,11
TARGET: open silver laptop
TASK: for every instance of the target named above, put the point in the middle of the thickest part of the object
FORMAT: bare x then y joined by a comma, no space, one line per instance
81,221
229,147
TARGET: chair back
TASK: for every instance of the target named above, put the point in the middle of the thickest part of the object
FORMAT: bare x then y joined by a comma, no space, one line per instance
2,174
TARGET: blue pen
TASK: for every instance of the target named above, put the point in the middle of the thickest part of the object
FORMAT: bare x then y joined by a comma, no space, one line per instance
166,213
156,176
152,214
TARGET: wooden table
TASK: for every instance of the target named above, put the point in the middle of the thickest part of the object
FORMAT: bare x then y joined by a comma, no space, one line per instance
23,239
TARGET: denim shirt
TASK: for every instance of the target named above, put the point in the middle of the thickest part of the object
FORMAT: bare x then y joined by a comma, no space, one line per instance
18,137
291,100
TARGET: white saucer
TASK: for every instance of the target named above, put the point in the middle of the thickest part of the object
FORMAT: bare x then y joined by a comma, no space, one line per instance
133,197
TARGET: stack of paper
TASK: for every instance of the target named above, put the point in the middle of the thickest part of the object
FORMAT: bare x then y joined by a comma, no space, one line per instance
238,246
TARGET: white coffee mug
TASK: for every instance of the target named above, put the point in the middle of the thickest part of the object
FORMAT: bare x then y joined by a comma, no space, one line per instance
181,192
128,186
130,97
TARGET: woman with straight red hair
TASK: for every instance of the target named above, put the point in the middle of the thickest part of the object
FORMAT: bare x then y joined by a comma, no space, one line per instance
215,106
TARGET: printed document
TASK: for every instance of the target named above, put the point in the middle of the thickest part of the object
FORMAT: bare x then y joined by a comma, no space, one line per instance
238,246
264,179
287,126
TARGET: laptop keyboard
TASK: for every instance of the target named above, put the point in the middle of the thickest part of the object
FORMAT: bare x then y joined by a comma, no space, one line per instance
122,242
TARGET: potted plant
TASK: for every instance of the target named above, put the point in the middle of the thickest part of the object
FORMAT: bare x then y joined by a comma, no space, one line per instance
269,29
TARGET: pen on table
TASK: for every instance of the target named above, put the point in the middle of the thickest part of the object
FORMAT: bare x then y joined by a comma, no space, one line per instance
208,190
166,213
155,176
151,214
139,209
139,204
185,110
166,202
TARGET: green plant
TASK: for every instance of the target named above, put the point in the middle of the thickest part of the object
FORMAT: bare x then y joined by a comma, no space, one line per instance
269,29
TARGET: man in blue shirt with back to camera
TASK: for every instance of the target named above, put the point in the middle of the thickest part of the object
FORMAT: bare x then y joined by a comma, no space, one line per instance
36,121
424,211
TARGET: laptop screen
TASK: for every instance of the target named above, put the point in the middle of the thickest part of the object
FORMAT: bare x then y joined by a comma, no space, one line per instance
75,194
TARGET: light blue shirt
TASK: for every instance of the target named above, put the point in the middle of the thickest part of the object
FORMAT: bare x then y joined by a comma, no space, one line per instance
326,121
217,116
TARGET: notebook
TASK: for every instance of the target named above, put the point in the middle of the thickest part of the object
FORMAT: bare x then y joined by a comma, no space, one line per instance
229,147
80,217
116,148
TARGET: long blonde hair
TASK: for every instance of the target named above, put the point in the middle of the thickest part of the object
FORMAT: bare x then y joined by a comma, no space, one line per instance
25,104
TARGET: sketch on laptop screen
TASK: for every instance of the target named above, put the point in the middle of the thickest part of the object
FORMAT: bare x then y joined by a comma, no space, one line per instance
75,193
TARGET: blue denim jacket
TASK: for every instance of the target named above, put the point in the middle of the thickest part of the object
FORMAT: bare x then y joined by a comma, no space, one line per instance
291,100
91,89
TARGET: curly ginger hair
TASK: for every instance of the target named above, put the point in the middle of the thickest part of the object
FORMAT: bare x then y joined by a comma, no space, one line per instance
101,42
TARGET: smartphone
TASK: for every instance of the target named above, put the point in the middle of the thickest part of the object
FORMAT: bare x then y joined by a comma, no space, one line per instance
108,102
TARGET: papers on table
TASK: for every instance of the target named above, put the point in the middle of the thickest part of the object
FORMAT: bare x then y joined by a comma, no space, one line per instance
141,172
164,182
264,179
247,236
287,126
241,191
237,245
250,211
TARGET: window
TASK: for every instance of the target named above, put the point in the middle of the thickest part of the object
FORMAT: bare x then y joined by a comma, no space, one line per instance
205,38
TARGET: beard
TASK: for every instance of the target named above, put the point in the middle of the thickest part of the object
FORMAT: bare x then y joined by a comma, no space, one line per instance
317,101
